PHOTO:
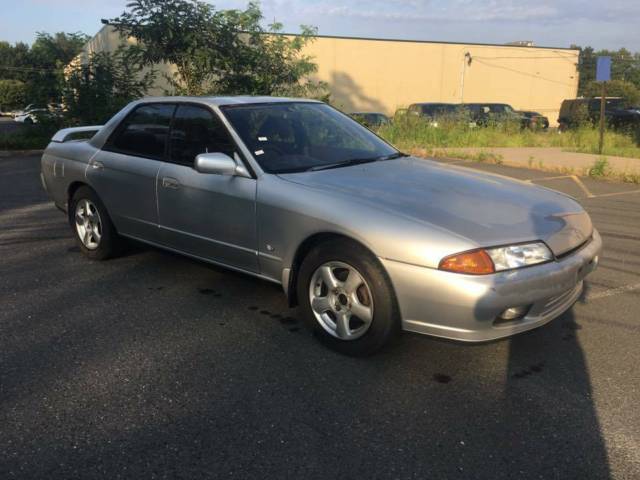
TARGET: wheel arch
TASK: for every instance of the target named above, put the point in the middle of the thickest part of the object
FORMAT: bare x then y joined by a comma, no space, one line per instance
73,188
303,250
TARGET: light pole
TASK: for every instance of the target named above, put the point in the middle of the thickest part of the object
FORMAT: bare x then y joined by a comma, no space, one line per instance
466,60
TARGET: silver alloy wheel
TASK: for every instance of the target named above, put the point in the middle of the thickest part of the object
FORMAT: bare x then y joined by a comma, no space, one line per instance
341,300
88,224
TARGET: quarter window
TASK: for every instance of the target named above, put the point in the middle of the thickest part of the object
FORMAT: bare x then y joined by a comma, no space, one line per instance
197,130
145,131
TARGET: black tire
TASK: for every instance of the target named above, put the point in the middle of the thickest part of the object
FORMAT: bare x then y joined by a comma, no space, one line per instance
110,242
386,317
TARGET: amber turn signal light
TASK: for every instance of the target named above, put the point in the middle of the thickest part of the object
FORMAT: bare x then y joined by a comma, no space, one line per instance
477,262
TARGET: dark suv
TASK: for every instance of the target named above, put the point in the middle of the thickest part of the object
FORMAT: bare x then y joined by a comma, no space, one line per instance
492,113
370,119
433,110
575,111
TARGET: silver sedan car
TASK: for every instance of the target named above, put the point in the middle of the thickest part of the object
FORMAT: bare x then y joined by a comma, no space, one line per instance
366,240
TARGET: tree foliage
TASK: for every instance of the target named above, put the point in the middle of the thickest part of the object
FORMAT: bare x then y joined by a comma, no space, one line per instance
12,94
615,88
219,51
40,67
625,73
97,89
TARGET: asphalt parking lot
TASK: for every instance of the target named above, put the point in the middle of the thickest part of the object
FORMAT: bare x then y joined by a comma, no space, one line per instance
155,366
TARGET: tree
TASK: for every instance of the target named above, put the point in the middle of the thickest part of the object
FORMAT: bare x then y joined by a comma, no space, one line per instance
218,51
48,56
96,90
12,94
15,61
629,92
625,66
40,67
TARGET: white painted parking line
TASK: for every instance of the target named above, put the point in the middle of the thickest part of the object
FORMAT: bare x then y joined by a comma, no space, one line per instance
582,186
613,194
613,291
576,180
549,178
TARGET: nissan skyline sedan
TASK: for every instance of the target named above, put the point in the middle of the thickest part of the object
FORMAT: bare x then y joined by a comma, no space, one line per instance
366,240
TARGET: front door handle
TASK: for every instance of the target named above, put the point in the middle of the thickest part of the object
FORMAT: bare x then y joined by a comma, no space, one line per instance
168,182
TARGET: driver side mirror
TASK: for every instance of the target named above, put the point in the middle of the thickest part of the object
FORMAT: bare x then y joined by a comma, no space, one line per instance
219,164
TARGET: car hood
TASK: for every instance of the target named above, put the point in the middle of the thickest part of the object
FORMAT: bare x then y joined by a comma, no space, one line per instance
487,209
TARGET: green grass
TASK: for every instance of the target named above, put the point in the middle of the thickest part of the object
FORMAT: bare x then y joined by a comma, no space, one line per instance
409,133
481,157
600,168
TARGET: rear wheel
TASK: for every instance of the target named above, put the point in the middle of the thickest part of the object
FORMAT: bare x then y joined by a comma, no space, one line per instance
94,232
347,298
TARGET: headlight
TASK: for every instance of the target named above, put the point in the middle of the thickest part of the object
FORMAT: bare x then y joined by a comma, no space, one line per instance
517,256
491,260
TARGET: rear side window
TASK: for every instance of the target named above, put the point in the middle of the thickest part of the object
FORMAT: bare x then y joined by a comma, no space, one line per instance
144,132
197,130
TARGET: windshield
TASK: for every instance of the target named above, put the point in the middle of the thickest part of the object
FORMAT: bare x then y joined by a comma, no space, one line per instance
299,136
436,109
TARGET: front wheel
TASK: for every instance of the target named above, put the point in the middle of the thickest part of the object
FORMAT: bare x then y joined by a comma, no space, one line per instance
347,298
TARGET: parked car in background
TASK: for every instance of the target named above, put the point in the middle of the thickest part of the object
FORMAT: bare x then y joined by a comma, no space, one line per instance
484,114
23,111
34,114
537,121
5,112
433,111
30,115
366,239
573,112
371,119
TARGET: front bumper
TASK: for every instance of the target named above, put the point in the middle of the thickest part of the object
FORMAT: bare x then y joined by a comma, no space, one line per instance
467,307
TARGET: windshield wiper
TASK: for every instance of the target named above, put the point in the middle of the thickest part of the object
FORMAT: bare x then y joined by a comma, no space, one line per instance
393,155
357,161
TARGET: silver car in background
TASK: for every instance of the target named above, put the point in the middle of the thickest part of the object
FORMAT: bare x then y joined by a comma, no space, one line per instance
366,240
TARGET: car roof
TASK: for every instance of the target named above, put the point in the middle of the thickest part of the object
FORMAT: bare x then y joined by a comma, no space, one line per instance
434,103
486,103
227,100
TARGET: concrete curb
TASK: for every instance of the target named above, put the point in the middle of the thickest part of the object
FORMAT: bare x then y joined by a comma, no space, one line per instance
548,159
11,153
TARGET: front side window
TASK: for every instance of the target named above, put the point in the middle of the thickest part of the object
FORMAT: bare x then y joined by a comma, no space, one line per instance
197,130
298,136
144,132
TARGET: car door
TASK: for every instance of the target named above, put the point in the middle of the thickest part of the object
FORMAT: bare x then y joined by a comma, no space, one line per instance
207,215
124,172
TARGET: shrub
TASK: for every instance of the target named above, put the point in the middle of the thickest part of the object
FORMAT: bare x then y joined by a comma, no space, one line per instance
12,94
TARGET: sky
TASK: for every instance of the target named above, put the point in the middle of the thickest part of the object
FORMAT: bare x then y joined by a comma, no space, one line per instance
605,24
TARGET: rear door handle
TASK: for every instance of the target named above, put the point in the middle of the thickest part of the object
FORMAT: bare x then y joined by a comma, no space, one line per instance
97,165
168,182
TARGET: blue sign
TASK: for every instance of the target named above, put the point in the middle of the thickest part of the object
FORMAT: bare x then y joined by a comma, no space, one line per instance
603,69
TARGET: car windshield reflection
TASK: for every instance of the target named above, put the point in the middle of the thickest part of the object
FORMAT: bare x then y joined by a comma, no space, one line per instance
299,136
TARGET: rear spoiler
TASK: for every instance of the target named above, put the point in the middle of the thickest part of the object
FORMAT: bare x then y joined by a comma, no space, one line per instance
63,135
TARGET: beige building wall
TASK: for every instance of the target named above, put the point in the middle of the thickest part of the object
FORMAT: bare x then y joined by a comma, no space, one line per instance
384,75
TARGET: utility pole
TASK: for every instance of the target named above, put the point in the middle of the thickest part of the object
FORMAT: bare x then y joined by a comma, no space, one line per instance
603,102
466,60
603,75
